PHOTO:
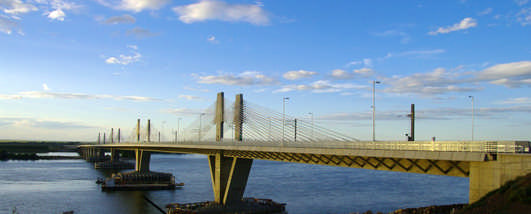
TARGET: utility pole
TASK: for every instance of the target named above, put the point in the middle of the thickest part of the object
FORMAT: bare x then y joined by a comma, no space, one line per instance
310,113
374,82
411,136
473,113
200,126
295,130
284,100
149,131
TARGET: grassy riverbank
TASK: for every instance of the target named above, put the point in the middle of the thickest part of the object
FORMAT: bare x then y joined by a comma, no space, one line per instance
21,146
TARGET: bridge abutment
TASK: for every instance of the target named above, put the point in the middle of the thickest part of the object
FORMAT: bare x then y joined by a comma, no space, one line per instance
490,175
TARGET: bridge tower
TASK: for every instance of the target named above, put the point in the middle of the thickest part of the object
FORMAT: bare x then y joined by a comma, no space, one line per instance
229,174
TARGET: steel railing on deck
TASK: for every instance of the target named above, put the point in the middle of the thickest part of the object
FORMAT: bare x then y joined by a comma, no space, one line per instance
439,146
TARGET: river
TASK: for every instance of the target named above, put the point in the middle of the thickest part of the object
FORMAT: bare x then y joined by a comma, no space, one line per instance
55,186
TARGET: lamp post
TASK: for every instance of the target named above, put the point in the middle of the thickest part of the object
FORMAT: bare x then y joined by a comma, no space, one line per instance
200,125
178,129
284,100
472,98
374,82
311,114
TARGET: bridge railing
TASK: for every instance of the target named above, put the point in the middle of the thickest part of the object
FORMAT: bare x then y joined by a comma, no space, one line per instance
439,146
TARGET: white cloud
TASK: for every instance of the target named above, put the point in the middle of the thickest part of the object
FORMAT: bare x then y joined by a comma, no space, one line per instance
190,97
134,47
511,75
58,95
295,75
39,123
140,33
463,25
134,5
320,86
45,87
521,2
212,39
124,59
524,16
439,81
246,78
218,10
428,114
7,26
366,62
59,6
485,12
196,89
10,97
15,7
518,100
365,72
183,111
341,74
123,19
57,14
404,37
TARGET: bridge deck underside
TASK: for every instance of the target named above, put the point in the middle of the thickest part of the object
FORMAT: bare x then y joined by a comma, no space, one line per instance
425,166
414,164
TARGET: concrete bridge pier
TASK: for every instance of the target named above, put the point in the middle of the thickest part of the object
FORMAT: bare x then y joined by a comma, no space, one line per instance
229,177
142,161
115,155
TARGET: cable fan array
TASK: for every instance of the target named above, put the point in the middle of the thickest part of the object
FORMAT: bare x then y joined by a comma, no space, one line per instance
263,124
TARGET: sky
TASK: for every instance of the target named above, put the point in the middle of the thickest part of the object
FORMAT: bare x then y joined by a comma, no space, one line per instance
70,68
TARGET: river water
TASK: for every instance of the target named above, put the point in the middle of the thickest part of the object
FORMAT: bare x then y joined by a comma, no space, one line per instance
55,186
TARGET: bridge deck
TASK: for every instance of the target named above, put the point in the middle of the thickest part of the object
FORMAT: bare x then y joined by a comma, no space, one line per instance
449,150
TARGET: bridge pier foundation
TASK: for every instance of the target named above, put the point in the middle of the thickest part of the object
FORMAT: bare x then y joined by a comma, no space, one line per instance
229,177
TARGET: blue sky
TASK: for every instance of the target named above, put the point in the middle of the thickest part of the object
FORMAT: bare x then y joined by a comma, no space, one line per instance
70,69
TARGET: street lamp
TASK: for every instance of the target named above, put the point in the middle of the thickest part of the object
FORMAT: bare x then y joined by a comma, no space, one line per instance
374,82
472,98
200,125
284,100
178,129
311,114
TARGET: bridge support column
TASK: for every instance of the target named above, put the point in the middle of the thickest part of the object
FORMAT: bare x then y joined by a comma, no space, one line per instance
229,177
490,175
142,161
115,155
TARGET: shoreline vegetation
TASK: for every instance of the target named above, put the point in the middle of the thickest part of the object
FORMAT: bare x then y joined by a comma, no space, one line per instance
5,156
28,150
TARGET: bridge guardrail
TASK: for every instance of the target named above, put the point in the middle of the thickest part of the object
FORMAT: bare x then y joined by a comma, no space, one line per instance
439,146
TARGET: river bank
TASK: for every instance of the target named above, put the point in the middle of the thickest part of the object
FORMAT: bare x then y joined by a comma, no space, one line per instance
5,156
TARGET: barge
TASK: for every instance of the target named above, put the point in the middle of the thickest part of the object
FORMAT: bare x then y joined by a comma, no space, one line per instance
246,206
140,181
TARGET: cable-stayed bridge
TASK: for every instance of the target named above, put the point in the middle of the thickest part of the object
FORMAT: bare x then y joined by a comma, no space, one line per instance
233,135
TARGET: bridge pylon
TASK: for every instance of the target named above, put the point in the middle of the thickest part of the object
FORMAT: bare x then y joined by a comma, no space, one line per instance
229,174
